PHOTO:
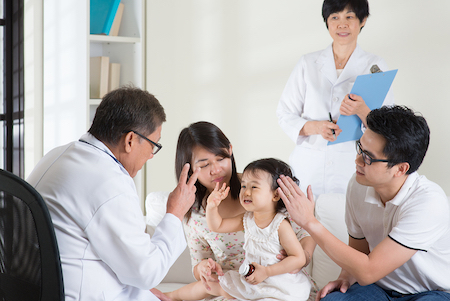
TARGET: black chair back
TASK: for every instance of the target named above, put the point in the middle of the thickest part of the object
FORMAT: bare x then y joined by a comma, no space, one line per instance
30,267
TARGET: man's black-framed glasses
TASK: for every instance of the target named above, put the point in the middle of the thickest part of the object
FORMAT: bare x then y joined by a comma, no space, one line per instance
157,145
366,157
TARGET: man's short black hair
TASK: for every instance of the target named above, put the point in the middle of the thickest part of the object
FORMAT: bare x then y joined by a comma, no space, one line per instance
407,134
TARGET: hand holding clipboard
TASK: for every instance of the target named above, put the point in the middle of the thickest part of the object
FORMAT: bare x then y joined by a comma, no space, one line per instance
373,88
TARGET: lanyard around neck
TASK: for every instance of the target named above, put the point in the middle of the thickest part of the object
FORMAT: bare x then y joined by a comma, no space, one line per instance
114,158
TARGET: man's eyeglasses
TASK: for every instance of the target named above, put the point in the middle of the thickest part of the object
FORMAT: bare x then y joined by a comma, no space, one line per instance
367,159
157,145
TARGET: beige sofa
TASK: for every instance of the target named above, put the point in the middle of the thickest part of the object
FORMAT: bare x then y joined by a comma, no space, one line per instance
329,211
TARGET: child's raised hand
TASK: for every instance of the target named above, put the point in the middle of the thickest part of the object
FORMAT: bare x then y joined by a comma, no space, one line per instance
258,276
218,195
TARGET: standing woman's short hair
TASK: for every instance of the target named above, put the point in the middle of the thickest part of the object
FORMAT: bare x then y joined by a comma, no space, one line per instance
360,7
126,109
211,138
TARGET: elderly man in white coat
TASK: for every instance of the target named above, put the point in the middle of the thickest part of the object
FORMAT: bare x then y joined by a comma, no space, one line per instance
88,188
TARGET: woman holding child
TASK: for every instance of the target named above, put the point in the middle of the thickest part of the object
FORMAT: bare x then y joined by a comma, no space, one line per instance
204,146
267,231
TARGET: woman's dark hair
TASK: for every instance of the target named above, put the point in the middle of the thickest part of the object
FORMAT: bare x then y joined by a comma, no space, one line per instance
407,135
126,109
211,138
360,7
275,168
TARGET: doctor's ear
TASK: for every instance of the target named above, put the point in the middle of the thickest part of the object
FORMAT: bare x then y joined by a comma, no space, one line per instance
128,141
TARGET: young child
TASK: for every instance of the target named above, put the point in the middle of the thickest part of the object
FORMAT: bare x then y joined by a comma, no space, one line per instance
267,231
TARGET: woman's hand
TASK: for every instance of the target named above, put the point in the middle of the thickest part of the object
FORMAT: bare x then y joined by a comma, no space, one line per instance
324,128
282,255
353,104
217,196
258,276
327,128
205,271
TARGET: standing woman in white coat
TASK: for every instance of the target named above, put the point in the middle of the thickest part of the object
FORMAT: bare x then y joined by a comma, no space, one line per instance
319,85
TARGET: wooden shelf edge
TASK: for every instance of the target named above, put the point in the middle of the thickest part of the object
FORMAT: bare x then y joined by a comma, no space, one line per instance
94,101
113,39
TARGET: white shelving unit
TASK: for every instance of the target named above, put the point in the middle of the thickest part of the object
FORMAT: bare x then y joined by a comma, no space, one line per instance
68,46
126,49
67,108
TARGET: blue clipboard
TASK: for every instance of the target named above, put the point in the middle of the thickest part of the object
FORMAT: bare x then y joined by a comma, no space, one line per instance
373,88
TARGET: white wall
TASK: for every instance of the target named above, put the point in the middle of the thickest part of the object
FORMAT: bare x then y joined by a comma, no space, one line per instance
227,61
55,48
33,41
65,86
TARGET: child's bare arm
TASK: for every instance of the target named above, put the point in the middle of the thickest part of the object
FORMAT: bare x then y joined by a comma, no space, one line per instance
296,258
215,222
294,261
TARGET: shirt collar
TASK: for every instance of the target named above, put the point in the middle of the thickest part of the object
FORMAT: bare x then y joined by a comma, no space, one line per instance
403,193
91,140
328,68
372,197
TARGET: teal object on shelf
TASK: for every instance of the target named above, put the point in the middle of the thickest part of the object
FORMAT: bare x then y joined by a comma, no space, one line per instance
102,13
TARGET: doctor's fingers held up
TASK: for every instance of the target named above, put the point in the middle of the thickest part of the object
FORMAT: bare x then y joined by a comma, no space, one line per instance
183,196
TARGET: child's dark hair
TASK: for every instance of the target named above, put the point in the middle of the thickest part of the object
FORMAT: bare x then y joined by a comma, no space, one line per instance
275,168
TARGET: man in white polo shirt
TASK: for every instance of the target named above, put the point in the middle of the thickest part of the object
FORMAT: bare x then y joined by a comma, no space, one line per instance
398,221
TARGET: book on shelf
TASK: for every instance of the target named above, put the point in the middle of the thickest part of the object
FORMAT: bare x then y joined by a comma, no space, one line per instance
98,76
102,14
114,76
117,19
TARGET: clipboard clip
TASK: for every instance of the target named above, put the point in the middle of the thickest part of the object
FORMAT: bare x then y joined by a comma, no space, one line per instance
375,69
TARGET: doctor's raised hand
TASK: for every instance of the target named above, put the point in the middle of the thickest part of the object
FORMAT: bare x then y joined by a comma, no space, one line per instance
183,196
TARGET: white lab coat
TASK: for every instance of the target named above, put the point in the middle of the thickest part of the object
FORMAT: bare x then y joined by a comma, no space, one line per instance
99,225
313,90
